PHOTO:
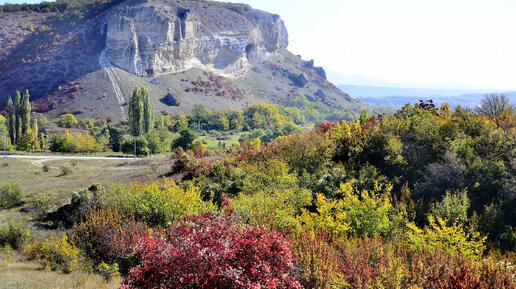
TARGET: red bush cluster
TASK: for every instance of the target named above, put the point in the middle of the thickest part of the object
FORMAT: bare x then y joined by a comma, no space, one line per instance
326,126
217,85
211,252
426,104
78,111
42,107
191,164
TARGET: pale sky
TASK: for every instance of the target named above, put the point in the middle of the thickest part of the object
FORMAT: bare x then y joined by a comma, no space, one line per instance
405,41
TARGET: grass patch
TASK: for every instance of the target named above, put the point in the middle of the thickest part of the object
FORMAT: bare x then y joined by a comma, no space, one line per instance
16,272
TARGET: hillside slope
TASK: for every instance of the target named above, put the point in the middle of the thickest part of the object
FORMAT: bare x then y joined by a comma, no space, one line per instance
221,55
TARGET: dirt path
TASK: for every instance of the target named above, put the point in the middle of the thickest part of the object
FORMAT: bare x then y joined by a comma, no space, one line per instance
39,163
42,159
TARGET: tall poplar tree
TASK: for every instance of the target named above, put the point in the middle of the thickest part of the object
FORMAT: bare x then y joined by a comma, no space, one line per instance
25,113
34,136
17,114
12,120
136,113
148,112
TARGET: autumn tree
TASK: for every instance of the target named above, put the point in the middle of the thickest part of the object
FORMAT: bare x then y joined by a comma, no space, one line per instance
3,127
494,105
34,136
67,121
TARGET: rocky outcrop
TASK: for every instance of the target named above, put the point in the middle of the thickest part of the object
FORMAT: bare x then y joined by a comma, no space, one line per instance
153,37
302,80
171,100
318,70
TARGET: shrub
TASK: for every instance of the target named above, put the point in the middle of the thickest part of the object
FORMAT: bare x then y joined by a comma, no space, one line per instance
65,171
452,238
366,212
14,235
108,272
92,235
43,204
105,238
211,252
318,261
80,204
142,147
67,121
157,204
330,217
306,152
452,207
80,143
11,195
279,206
185,139
55,253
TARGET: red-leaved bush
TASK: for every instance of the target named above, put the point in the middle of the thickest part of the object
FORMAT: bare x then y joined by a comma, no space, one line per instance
211,251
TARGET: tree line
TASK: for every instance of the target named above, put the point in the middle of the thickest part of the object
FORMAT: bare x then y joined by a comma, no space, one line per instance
22,132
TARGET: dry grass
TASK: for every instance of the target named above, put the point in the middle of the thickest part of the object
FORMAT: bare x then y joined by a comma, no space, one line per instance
35,176
46,176
19,273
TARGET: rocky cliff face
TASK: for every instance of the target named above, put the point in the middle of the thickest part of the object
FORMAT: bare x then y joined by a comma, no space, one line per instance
189,47
155,37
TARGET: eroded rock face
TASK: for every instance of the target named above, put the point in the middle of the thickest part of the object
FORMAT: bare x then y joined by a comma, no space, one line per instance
155,37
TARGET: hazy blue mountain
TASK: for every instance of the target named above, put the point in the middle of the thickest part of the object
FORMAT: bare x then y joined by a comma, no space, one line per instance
364,80
396,96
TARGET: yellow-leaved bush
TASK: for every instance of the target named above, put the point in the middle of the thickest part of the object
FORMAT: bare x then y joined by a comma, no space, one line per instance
365,212
157,204
330,216
279,206
270,191
453,239
55,253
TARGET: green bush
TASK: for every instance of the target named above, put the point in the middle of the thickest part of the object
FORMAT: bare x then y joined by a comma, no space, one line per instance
55,253
142,147
14,235
185,139
10,196
453,207
44,203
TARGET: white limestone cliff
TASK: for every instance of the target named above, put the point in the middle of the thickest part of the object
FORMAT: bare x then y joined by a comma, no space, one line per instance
154,37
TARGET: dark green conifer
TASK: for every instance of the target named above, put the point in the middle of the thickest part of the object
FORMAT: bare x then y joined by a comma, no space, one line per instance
25,113
12,120
17,115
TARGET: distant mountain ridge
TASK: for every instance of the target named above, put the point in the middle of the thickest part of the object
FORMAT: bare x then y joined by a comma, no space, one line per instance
396,97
